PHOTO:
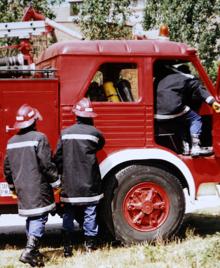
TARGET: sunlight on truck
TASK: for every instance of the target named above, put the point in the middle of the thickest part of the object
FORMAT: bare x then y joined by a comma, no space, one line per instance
148,182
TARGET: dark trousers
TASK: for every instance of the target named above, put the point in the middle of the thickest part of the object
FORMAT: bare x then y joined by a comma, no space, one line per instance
90,225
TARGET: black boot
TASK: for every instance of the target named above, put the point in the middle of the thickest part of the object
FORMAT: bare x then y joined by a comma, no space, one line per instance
31,254
90,243
67,244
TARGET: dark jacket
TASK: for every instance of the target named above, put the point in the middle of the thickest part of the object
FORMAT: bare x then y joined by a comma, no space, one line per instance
174,92
28,170
76,160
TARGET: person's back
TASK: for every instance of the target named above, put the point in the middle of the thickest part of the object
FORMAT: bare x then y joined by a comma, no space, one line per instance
76,161
80,143
28,178
171,92
31,175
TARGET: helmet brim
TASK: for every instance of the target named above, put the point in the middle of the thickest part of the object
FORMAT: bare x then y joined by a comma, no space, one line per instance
21,125
84,114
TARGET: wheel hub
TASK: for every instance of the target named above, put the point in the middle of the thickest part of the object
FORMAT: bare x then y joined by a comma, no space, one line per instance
146,206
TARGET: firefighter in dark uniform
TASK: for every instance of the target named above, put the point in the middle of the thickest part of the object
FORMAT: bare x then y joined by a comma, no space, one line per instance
174,90
81,181
31,176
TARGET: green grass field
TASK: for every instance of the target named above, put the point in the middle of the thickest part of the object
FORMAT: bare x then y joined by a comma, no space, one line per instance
197,245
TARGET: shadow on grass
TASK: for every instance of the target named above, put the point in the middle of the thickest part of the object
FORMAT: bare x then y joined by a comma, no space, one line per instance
51,239
201,224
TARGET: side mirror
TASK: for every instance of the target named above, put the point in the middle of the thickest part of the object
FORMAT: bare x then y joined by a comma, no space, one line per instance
218,78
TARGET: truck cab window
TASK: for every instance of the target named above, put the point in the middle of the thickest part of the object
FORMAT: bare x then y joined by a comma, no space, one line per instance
114,82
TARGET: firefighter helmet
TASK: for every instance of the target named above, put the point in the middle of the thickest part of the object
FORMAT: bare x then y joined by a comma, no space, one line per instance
83,108
26,116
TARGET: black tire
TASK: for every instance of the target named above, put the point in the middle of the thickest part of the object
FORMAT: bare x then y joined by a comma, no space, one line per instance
166,219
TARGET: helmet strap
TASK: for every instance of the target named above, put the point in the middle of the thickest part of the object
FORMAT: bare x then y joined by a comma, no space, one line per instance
27,129
84,120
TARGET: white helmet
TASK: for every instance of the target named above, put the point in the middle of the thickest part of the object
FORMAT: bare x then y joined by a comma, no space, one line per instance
26,116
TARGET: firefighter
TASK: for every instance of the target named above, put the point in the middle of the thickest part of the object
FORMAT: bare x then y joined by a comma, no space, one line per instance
81,186
31,177
174,91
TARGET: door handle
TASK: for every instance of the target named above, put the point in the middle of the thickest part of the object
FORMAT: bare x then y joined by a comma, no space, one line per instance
7,128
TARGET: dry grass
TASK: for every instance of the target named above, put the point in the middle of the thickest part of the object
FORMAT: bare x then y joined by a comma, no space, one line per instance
197,246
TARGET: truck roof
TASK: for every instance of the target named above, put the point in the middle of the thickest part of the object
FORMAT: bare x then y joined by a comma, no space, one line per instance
118,47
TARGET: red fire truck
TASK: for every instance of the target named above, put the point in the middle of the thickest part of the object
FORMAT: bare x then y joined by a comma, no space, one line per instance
148,183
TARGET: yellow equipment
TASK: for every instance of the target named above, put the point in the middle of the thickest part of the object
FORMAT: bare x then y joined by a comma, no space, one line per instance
110,92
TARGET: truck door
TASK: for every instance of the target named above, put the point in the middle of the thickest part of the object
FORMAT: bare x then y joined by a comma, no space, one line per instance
1,136
115,93
41,94
216,120
216,134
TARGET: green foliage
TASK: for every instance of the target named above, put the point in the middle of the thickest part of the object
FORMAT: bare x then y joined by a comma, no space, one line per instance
102,19
13,11
75,9
190,21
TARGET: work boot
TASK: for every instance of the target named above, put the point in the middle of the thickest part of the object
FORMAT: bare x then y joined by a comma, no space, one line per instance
31,254
39,255
90,243
196,150
207,150
67,244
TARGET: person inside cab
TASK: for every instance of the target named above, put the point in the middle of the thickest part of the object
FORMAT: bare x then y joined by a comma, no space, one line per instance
174,89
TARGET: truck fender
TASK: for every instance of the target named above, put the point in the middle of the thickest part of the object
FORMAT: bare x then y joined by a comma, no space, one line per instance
123,156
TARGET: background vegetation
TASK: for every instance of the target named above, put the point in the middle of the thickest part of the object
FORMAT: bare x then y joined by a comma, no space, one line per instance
194,22
101,19
12,11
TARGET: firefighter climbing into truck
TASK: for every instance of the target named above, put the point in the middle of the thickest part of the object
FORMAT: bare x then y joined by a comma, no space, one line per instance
174,91
148,183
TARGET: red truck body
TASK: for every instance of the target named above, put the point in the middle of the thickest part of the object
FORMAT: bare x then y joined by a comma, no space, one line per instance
131,149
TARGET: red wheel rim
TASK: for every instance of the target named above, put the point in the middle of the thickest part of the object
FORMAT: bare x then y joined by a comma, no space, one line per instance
146,206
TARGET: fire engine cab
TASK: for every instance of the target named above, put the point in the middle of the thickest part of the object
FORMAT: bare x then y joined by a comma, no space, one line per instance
147,182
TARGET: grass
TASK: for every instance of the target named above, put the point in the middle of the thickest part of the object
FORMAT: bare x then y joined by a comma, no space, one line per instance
197,246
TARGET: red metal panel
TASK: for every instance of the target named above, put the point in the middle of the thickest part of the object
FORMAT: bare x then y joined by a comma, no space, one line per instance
204,169
42,94
117,47
1,137
122,124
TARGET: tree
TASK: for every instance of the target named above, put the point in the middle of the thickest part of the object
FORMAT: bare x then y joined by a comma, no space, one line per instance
102,19
13,10
189,21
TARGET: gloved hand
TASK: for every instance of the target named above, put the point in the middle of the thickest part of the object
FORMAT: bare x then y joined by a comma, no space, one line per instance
216,106
57,190
14,194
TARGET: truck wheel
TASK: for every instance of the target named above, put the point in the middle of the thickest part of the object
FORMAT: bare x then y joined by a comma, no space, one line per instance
148,204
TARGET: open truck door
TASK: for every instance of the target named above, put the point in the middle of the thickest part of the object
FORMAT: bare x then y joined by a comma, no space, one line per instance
216,119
